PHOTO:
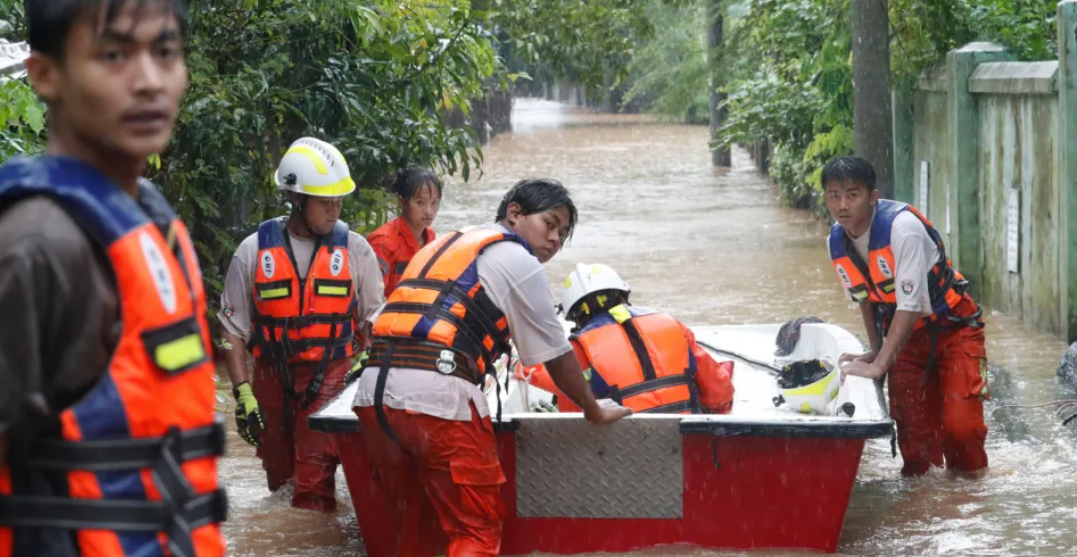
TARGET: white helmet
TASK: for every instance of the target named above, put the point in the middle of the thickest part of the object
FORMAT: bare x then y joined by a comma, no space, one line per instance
588,279
314,167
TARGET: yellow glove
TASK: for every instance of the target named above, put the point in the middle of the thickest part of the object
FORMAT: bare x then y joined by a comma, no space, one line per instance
250,422
357,369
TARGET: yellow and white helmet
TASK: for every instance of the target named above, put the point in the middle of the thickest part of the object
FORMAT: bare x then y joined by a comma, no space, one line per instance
314,167
815,397
588,279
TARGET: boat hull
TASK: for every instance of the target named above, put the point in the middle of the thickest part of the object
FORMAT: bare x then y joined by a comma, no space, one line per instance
742,489
761,477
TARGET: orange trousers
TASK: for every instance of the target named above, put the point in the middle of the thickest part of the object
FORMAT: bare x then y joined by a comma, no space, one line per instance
441,469
300,452
939,414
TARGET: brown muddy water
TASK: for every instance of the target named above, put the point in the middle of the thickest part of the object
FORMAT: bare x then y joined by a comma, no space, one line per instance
715,248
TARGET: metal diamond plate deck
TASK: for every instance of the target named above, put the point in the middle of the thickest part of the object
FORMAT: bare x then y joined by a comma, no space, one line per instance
568,468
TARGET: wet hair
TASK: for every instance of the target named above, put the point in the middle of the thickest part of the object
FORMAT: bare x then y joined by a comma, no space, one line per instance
849,169
409,182
538,196
50,21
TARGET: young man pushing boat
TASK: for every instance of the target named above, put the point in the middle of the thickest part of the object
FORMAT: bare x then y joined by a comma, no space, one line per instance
424,416
924,329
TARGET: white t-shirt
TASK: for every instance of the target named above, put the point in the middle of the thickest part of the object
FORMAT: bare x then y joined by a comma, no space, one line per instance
516,283
237,302
915,255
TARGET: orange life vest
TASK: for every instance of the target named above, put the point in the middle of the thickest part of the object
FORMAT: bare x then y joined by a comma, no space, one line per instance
394,246
439,318
132,467
875,280
641,359
303,320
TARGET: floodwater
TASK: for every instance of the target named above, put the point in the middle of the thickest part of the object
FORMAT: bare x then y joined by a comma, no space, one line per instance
714,247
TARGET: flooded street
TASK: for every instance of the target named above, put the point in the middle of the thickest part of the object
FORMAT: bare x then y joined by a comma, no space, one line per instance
714,248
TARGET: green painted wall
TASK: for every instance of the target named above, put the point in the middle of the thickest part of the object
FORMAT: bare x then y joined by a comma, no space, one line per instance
931,142
1014,133
1018,141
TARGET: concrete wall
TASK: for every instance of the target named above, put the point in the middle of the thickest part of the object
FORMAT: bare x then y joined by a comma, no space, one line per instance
990,128
1017,149
930,140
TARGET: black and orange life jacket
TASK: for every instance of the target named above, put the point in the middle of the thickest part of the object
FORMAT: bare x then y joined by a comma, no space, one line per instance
874,280
439,318
303,320
132,467
641,359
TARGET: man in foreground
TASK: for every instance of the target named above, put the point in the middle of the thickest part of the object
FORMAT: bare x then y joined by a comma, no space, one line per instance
108,444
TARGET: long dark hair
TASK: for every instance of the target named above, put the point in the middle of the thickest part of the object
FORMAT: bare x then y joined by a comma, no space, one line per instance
409,181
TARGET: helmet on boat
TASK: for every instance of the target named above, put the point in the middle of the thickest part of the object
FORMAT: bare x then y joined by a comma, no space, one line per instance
587,281
314,167
809,386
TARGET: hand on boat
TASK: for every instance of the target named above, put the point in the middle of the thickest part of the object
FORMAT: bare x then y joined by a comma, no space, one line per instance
605,412
866,357
862,369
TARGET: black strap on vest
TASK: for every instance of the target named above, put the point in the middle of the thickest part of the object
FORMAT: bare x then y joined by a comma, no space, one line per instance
179,512
673,408
127,454
620,394
461,296
640,348
379,391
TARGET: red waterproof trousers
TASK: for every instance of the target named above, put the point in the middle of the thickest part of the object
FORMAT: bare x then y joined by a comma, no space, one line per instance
297,451
939,413
442,472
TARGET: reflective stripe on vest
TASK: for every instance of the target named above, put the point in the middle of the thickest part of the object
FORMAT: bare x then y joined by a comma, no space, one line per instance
440,300
301,319
874,280
145,433
645,357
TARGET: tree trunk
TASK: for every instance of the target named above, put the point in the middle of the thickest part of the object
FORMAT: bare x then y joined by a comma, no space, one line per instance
715,20
872,118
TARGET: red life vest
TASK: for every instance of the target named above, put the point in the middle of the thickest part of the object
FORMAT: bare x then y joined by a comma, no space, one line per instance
439,317
874,280
394,246
641,359
132,469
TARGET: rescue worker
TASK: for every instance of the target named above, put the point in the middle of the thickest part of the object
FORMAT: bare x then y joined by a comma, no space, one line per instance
294,294
641,358
924,329
424,417
418,194
108,444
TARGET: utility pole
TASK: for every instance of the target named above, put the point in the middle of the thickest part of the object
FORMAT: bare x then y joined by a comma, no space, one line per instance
715,20
872,118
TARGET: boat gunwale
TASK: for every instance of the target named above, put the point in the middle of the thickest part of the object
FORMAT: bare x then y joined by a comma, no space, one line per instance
690,425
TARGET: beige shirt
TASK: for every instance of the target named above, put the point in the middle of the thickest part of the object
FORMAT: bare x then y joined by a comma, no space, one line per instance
915,254
516,283
237,301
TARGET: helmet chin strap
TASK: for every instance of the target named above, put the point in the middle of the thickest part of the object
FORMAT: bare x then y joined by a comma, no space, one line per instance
299,204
